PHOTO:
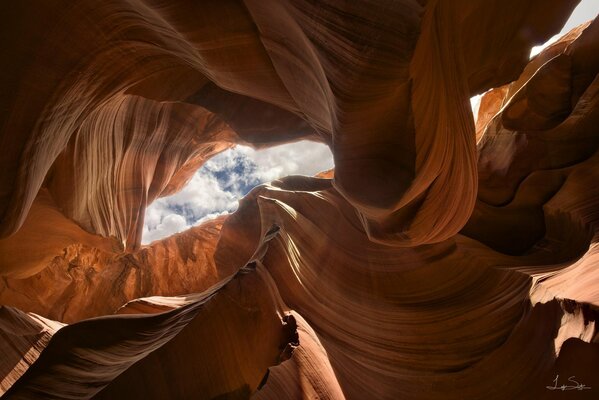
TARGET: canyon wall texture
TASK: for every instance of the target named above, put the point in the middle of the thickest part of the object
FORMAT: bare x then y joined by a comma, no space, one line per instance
444,257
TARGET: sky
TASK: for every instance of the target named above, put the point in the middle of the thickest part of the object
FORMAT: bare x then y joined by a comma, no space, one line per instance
216,188
218,185
585,11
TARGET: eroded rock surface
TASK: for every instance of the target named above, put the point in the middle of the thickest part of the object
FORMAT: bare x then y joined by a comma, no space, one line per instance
440,259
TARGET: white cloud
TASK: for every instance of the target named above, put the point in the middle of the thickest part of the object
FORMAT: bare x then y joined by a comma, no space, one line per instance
302,158
169,225
216,188
585,11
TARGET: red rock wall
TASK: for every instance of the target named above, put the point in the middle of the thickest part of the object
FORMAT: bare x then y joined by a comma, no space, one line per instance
439,260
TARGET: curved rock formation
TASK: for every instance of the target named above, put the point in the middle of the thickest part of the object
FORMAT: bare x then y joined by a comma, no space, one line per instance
439,260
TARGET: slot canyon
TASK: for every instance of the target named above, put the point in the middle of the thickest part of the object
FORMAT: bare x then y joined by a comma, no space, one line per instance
447,254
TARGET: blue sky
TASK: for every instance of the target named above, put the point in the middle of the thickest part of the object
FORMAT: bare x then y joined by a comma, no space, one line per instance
216,187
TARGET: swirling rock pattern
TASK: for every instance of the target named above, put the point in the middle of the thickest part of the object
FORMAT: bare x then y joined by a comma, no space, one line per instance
440,259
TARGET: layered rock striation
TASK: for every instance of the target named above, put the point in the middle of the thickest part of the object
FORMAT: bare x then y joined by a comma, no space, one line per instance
440,259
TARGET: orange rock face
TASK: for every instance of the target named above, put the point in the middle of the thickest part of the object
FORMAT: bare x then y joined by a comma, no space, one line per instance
440,259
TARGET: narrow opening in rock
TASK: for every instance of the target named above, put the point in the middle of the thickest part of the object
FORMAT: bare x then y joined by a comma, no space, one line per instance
585,11
216,188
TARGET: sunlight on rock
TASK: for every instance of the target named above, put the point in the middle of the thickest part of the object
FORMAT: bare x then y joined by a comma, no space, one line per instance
585,11
224,179
441,259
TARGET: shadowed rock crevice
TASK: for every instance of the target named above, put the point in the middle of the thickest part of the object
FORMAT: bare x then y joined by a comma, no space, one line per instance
439,259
